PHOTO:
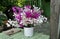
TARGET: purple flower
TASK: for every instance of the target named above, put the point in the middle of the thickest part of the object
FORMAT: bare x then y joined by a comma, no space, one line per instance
35,15
14,9
28,6
18,17
17,9
28,14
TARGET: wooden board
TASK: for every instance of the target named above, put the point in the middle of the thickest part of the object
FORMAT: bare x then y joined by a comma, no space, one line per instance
54,19
11,31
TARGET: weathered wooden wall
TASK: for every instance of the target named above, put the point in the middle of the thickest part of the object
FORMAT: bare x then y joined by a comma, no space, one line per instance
54,19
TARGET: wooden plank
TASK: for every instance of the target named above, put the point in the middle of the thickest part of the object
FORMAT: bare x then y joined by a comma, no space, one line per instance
59,25
54,19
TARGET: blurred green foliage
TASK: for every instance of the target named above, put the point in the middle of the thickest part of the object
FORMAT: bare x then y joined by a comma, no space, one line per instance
46,7
5,3
3,17
45,4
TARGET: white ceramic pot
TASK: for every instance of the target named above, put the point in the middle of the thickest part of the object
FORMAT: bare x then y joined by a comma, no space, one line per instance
28,31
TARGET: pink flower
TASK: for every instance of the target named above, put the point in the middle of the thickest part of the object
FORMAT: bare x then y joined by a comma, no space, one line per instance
36,15
28,14
28,6
17,9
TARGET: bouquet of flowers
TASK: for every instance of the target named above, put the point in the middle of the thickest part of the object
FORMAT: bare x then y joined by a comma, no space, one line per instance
28,16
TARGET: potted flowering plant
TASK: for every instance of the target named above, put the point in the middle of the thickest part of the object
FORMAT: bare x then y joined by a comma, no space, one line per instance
27,17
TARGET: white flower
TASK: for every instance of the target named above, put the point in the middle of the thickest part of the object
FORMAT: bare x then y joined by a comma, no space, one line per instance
41,19
15,14
45,19
36,9
8,25
10,21
21,13
27,9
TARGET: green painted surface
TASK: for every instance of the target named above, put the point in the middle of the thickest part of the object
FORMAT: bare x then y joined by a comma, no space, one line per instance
20,35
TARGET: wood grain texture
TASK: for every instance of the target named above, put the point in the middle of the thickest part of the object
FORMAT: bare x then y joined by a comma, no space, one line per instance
54,19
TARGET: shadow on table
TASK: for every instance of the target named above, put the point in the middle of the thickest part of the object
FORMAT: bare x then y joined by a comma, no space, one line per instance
44,28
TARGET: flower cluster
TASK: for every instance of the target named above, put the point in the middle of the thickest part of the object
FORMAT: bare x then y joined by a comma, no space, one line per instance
26,15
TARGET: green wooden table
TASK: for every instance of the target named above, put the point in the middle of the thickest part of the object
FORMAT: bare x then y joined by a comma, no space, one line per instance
20,35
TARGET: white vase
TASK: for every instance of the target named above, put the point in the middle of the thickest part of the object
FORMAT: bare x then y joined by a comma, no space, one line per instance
28,31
